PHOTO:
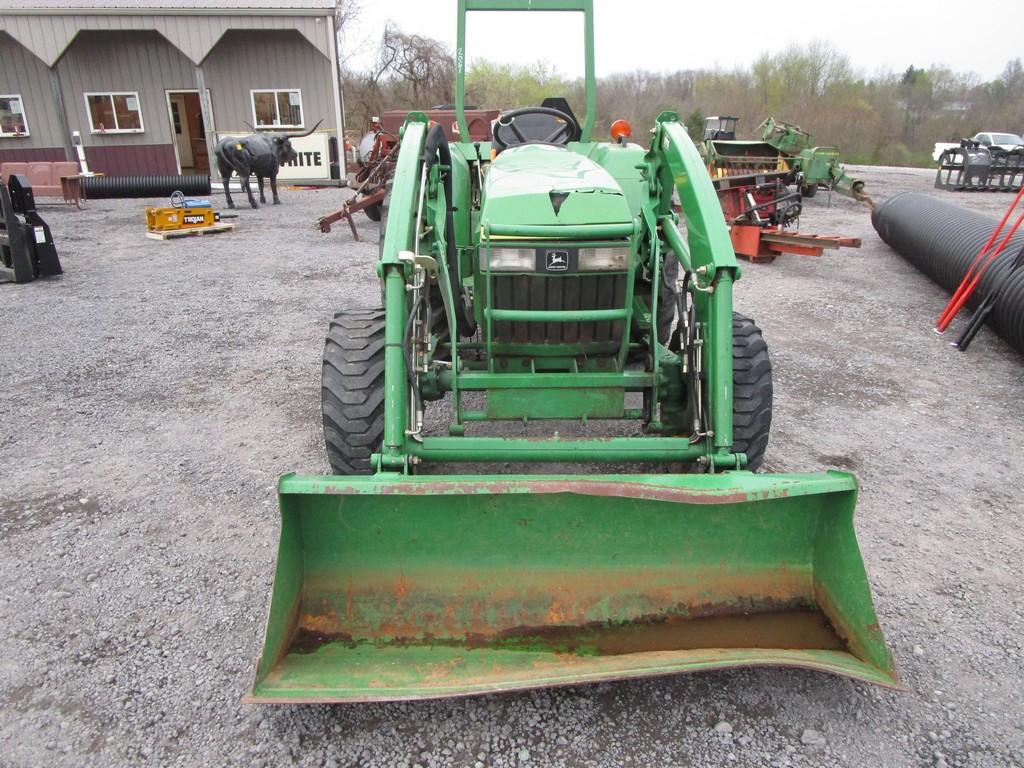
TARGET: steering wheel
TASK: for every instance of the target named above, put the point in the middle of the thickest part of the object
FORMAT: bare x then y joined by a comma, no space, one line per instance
507,133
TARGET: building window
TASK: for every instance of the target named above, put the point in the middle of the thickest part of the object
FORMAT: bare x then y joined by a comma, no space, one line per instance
114,112
12,116
176,118
277,108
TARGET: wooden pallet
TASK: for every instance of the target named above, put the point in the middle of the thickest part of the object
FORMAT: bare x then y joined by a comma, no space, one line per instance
173,233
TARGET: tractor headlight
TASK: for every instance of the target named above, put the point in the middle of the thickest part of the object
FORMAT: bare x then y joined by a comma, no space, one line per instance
511,259
553,259
604,259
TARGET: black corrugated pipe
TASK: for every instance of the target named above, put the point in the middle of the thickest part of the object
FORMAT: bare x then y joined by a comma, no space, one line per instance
942,240
102,187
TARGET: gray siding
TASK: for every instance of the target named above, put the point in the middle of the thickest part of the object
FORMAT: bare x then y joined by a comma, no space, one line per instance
263,60
21,72
123,61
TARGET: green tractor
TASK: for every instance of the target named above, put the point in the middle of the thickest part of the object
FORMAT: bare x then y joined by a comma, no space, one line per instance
820,166
782,147
540,278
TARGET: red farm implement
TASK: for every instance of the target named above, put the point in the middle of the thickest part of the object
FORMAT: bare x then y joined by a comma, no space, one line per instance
758,208
378,151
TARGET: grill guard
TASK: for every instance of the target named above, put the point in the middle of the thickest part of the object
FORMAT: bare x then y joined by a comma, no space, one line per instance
555,292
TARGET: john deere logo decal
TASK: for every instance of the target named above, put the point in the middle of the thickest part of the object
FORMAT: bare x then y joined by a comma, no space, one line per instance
557,261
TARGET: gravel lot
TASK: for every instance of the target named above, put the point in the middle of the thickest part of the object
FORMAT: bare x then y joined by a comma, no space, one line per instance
153,394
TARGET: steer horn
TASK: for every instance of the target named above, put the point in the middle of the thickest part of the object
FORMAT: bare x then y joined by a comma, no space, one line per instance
306,133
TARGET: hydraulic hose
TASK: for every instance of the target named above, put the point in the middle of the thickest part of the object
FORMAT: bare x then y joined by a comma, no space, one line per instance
436,146
942,240
410,371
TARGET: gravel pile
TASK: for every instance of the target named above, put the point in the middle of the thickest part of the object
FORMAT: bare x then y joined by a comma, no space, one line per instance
152,395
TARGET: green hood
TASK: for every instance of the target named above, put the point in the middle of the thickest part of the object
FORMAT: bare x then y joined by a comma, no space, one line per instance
529,183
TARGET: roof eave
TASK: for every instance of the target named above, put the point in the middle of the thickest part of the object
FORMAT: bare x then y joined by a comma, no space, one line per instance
22,11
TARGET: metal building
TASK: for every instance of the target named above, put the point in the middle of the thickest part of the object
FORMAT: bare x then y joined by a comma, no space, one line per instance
150,86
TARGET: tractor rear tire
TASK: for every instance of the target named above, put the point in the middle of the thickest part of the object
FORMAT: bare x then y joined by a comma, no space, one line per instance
352,390
752,390
666,309
667,298
373,212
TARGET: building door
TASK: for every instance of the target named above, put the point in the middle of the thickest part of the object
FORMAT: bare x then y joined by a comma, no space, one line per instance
186,117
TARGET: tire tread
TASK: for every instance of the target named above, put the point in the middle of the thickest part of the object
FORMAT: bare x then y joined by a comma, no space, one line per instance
752,390
352,390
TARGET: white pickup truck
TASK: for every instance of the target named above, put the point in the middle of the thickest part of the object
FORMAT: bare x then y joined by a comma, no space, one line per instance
986,139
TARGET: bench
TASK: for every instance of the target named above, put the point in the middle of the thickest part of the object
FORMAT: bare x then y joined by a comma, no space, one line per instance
59,179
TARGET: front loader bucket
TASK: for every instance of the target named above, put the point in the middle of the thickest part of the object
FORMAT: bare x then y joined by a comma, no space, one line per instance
420,587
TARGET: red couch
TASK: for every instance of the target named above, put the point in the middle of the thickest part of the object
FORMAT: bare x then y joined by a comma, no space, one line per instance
47,179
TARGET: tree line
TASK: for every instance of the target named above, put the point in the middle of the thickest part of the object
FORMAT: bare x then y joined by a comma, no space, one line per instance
885,118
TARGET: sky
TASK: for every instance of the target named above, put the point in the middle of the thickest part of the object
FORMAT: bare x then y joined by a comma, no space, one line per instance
663,36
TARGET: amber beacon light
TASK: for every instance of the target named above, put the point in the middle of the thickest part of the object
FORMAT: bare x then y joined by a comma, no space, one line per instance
621,130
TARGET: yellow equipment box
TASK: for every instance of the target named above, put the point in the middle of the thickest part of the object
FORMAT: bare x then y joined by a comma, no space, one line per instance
183,214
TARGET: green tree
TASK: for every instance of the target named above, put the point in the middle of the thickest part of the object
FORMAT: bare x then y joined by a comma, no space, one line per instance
695,126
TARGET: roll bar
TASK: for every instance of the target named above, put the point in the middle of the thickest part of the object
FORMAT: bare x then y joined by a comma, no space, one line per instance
586,7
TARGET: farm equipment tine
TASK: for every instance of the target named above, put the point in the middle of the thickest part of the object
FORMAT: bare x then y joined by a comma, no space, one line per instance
973,274
982,312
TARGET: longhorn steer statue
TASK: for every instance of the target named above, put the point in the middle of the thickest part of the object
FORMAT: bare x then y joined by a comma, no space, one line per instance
259,153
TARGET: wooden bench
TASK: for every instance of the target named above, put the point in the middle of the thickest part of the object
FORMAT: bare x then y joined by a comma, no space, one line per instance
60,179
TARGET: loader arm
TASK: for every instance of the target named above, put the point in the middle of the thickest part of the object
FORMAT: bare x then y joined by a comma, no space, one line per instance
674,164
399,237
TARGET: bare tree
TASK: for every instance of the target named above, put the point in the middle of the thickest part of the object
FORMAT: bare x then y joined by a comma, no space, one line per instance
410,72
345,13
421,63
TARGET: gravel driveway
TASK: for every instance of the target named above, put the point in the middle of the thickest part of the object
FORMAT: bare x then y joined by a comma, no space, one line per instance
152,395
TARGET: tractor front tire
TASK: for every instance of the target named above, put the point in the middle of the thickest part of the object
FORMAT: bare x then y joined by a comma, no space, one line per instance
352,390
752,390
808,190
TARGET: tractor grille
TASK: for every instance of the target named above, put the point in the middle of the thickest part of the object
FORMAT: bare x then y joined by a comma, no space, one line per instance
539,292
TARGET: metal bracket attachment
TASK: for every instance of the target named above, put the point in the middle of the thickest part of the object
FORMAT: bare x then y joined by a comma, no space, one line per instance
419,260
